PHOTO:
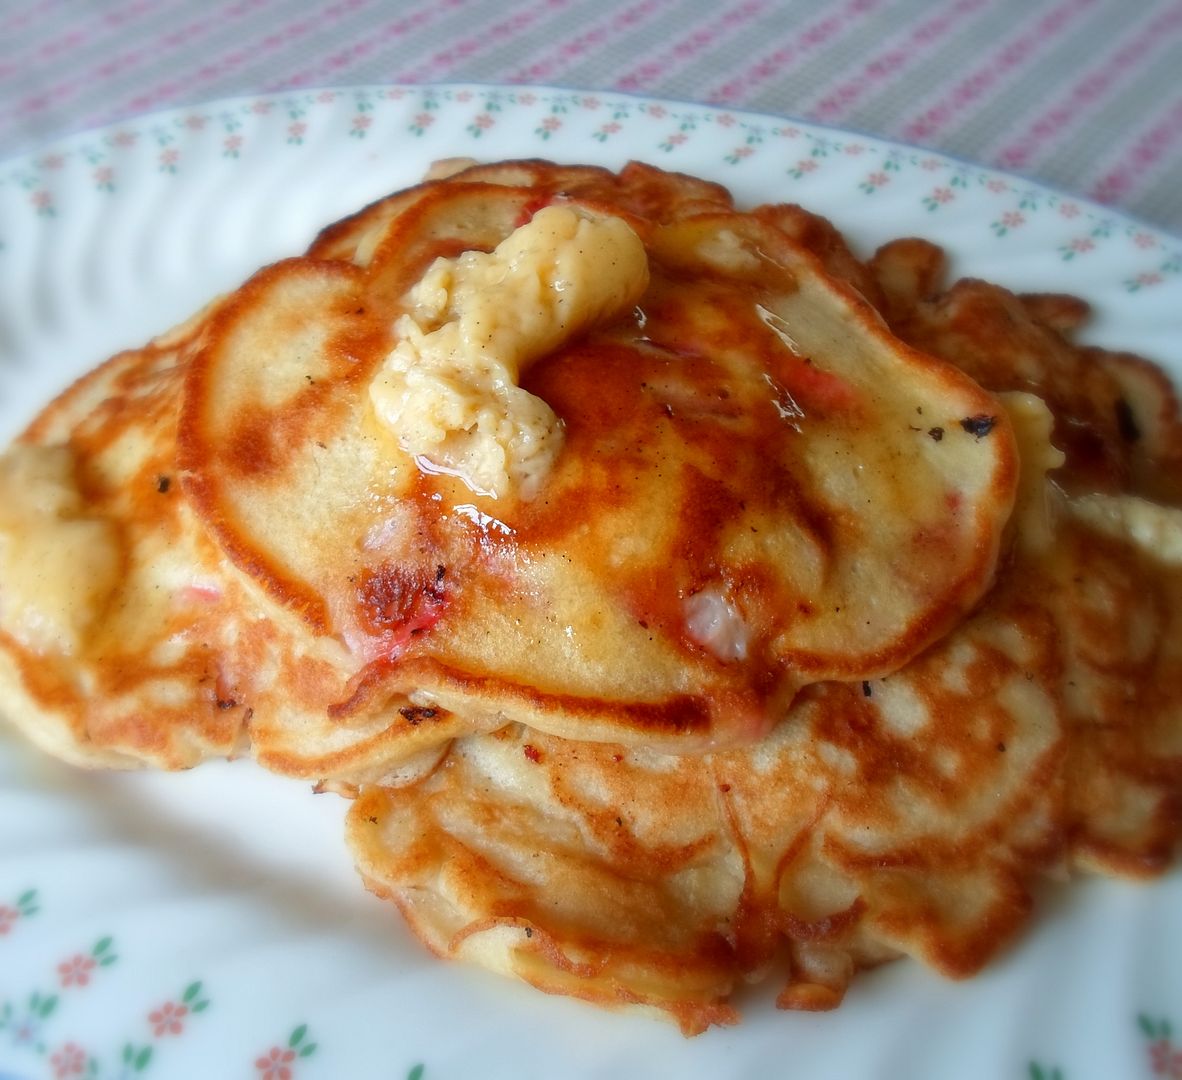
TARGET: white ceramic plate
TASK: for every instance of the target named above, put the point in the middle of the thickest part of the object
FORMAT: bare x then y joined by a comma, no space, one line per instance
210,924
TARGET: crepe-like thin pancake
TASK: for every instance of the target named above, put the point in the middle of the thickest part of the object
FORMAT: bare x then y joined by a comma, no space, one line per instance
903,816
750,457
146,680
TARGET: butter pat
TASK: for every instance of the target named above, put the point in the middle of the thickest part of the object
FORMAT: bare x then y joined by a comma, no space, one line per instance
58,567
449,391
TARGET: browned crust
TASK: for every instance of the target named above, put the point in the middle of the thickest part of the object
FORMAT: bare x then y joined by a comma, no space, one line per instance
201,454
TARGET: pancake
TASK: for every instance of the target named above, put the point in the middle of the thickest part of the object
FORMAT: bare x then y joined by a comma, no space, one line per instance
1117,415
116,613
764,611
758,487
905,816
640,189
1119,584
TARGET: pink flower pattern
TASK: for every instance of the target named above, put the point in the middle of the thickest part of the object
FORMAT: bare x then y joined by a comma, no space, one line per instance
1165,1059
8,918
68,1060
169,1019
276,1064
65,1059
76,971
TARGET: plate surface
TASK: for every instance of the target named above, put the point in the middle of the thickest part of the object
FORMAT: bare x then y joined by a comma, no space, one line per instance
210,923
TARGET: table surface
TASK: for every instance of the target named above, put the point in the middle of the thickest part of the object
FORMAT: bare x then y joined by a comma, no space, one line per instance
1080,94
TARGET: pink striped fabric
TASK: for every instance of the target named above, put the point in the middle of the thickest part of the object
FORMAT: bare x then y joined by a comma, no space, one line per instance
686,47
798,45
1153,145
889,64
609,28
1020,50
1156,35
1079,93
443,64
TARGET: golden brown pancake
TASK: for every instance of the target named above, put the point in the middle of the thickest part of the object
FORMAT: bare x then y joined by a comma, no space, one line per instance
792,661
117,617
909,815
759,487
638,188
1118,579
1117,415
906,816
358,662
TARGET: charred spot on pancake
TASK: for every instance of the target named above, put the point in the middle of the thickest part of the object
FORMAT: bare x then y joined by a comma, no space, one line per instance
163,483
980,425
416,714
936,433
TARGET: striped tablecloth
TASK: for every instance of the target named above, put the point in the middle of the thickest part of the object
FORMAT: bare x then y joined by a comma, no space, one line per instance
1081,94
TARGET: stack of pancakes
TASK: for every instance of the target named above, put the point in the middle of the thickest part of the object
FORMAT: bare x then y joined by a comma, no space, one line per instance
849,605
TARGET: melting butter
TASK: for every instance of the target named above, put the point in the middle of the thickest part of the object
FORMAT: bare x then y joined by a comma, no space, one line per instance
450,393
